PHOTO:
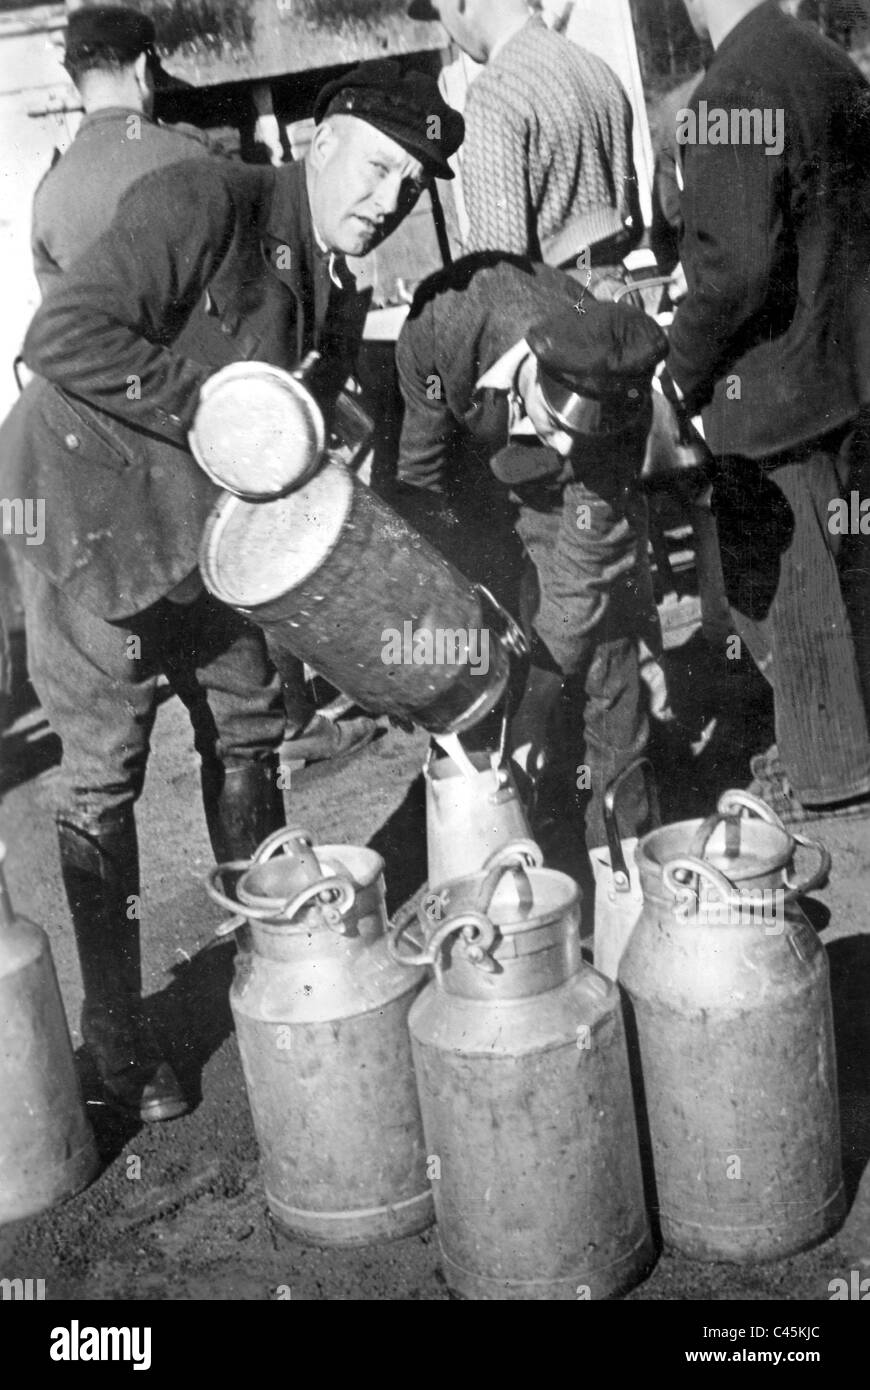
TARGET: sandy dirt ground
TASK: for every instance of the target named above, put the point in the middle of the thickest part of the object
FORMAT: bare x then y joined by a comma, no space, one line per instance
189,1219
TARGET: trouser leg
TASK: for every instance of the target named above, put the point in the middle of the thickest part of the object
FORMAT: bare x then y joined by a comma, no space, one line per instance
298,704
616,731
595,603
219,665
96,682
783,568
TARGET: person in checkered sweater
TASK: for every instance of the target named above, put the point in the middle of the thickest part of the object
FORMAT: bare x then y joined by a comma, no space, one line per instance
547,166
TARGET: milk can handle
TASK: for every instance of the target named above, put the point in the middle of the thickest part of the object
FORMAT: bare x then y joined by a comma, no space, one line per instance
820,875
306,366
752,803
510,857
621,878
476,927
727,890
728,810
514,637
653,282
287,909
729,802
517,854
281,837
687,864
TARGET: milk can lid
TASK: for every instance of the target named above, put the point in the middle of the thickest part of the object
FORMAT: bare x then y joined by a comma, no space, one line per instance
258,432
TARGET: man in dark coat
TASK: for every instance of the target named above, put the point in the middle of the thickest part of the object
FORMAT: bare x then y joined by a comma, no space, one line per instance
111,58
109,54
773,343
206,263
501,360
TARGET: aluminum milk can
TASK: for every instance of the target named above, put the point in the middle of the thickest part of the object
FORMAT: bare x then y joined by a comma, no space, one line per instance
321,1015
47,1150
470,815
730,1001
523,1078
340,580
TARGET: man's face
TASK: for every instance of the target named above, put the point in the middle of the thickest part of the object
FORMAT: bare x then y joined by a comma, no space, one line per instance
457,16
548,429
362,184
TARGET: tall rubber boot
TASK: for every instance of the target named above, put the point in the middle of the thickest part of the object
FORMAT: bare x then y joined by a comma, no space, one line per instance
243,804
101,877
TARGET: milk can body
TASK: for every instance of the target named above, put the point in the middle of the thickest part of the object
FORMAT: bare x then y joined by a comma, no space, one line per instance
321,1016
732,1013
47,1149
341,581
523,1078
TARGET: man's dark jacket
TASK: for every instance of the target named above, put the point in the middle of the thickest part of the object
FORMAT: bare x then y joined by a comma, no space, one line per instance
776,248
79,195
206,263
462,321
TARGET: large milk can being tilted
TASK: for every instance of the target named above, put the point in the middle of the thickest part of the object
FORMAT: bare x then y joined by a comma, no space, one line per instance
321,1015
335,576
523,1079
47,1150
730,1001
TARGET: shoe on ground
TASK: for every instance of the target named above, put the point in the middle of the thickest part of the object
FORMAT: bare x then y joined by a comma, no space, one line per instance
770,783
327,740
135,1077
151,1095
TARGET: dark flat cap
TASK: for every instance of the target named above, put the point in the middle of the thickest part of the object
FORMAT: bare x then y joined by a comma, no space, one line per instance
607,352
108,26
407,106
421,9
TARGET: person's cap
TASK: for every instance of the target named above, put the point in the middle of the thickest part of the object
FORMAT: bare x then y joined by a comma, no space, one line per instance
407,106
599,350
108,26
421,9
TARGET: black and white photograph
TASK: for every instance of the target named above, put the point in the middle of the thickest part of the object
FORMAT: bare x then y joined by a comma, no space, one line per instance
435,666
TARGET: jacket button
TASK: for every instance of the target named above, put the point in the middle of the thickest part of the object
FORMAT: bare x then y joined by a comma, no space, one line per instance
72,441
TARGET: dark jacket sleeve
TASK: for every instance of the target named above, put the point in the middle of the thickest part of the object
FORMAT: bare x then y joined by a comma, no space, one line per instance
104,331
428,426
735,238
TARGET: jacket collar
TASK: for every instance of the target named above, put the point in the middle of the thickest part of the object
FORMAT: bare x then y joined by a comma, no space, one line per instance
289,225
113,113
